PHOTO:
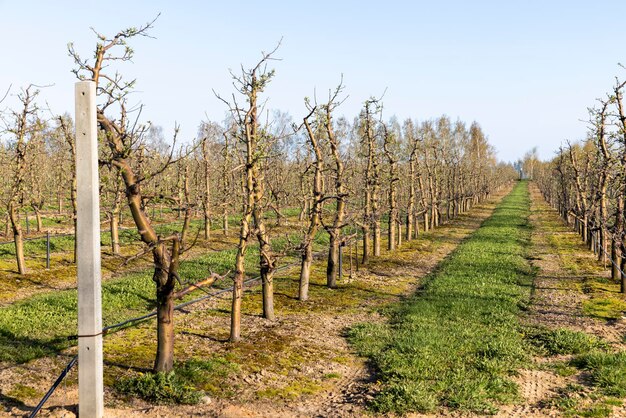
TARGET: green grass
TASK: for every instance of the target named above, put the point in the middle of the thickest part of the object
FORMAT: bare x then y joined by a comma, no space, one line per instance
605,386
159,388
38,326
563,341
604,307
574,400
607,371
23,392
188,382
456,342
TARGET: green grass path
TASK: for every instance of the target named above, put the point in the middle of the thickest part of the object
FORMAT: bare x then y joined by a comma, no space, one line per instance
457,341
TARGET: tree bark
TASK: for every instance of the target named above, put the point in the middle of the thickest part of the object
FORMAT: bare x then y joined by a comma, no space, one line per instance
17,239
115,235
316,211
165,277
305,274
206,195
332,268
37,211
114,222
267,266
366,245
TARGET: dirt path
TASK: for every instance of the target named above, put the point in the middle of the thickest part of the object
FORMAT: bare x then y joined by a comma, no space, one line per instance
311,371
563,266
558,297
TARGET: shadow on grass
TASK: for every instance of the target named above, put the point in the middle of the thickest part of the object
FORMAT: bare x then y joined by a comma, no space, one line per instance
20,350
205,336
10,402
124,366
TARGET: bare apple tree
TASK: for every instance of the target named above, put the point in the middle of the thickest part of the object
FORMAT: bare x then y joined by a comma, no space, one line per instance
255,142
122,135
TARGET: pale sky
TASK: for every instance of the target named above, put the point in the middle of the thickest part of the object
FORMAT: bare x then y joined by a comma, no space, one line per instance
525,70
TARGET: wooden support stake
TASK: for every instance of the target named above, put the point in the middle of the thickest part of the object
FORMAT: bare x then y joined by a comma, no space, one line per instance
48,250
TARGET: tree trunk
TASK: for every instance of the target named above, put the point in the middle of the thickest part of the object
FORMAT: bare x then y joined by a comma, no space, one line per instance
603,247
366,245
115,219
267,263
391,233
240,271
315,214
19,252
207,225
115,235
433,202
302,214
225,223
332,269
622,266
38,217
616,246
305,273
235,310
165,279
616,260
340,204
206,196
433,216
417,226
17,239
235,313
59,202
165,263
279,215
267,279
164,361
410,210
376,238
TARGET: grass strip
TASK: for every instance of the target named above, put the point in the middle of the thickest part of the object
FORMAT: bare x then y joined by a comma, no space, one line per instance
456,342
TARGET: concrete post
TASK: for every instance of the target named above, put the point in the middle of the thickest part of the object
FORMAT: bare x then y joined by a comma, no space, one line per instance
90,385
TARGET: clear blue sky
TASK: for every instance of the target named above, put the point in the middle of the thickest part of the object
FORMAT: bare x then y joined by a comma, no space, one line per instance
525,70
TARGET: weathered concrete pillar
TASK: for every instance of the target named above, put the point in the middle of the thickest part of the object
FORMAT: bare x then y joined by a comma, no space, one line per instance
90,385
